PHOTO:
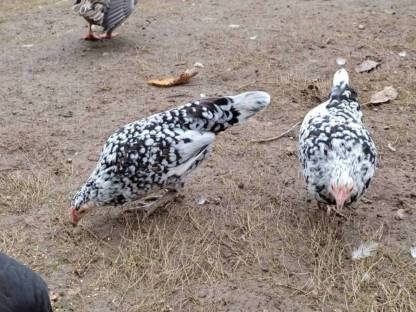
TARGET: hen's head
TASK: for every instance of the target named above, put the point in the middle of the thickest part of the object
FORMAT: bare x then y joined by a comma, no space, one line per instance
342,186
81,204
248,104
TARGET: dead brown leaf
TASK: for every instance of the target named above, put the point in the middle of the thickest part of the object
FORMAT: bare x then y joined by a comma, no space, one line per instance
183,78
367,66
384,96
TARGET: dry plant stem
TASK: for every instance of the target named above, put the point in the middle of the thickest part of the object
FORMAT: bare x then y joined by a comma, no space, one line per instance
284,134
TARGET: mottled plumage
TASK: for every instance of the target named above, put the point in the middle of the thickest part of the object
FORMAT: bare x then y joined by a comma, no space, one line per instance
337,153
21,289
158,152
108,14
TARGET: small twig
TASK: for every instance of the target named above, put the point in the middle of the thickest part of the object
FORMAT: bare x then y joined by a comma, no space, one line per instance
13,168
265,29
371,104
177,95
296,289
284,134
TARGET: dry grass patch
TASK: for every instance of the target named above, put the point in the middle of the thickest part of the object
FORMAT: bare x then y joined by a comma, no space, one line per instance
169,259
161,257
25,248
10,242
21,192
382,282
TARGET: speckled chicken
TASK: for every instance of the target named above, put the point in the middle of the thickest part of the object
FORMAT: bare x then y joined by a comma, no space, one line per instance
160,151
337,152
108,14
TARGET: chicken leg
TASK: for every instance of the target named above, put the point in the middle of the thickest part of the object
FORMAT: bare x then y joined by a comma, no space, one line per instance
157,202
90,36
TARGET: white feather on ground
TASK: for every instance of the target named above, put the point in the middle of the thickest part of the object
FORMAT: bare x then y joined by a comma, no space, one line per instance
413,251
365,250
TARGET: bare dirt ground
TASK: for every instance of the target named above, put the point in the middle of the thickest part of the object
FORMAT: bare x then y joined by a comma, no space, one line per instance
257,244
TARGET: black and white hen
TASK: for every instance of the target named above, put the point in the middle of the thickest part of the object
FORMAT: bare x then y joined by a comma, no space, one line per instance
158,152
21,289
338,154
106,13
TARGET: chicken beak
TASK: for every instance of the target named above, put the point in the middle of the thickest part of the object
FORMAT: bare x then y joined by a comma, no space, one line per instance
341,197
74,216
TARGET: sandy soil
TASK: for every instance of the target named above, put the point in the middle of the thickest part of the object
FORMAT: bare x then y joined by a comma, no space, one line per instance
257,244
